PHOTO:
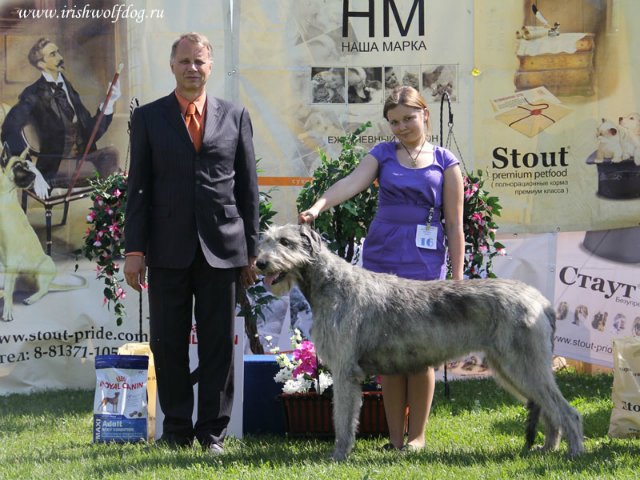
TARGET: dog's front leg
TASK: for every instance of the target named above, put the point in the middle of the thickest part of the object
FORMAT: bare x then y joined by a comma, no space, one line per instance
9,286
347,399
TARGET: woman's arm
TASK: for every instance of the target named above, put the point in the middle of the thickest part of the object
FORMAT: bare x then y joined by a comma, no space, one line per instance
453,204
357,181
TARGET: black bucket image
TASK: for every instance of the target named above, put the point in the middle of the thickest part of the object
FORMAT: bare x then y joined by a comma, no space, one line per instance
620,245
619,180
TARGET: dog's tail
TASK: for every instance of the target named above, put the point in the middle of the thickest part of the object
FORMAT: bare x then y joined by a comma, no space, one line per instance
65,287
551,317
532,423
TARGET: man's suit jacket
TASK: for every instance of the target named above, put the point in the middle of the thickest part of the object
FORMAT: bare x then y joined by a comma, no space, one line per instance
178,197
36,106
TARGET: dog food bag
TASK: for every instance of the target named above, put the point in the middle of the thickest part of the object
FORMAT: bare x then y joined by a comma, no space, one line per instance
625,416
120,403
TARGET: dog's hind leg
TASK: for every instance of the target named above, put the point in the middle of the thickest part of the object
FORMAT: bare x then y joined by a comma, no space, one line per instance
347,399
532,423
46,272
534,378
533,416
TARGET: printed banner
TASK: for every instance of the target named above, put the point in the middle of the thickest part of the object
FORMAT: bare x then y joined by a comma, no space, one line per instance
311,70
54,322
555,102
597,294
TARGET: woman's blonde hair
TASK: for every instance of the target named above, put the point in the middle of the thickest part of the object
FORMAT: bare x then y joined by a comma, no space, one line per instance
409,97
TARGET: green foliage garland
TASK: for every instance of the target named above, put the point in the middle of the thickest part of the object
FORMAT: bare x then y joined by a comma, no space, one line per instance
104,240
345,225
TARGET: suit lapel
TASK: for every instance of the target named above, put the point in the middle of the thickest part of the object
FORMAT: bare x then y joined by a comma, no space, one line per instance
212,119
174,118
47,97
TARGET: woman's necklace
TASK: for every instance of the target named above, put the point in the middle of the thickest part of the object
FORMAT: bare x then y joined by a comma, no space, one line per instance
414,159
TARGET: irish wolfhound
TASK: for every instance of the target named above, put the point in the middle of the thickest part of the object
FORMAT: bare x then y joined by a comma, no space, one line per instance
371,323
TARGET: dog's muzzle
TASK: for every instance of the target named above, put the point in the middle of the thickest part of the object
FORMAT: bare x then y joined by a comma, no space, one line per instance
22,176
270,278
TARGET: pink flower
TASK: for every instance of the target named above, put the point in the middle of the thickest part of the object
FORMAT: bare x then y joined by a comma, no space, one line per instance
477,217
306,355
117,193
501,251
483,249
91,217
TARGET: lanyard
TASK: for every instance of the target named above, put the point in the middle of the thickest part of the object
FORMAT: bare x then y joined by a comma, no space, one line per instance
429,218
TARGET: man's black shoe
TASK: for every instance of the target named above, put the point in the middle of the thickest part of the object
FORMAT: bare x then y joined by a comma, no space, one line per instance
174,441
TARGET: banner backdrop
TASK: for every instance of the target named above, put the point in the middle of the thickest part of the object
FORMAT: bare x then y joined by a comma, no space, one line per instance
52,342
309,70
597,294
548,104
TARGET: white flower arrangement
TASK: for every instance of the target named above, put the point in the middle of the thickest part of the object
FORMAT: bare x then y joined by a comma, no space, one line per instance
299,372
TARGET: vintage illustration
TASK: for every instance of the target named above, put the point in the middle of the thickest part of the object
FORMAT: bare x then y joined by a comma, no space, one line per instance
556,45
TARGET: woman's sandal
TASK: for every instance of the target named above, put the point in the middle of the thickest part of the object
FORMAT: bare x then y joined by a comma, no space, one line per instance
390,447
411,449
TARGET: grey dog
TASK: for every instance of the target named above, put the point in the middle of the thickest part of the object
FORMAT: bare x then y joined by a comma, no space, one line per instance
371,323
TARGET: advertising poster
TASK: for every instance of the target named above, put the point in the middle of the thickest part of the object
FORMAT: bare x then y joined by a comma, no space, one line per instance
54,320
555,112
311,70
597,294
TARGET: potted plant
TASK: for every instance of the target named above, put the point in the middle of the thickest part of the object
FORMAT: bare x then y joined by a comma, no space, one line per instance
307,394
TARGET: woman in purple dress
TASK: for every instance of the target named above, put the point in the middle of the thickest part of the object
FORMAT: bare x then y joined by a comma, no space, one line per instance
420,185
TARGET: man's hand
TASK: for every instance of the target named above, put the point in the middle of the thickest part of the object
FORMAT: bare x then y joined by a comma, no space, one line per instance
248,274
134,271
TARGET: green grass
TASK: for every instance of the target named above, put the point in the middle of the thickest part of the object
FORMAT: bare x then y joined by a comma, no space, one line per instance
478,433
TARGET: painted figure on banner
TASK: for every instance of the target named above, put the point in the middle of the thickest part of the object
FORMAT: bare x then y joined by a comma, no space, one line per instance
420,185
51,120
192,219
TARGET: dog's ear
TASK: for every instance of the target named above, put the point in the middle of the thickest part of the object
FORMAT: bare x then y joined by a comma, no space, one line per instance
6,155
25,154
311,238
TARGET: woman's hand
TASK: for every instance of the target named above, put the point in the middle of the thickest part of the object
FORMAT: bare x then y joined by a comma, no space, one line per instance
308,216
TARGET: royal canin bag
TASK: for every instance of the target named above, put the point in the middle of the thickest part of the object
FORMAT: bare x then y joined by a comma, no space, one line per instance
625,416
120,402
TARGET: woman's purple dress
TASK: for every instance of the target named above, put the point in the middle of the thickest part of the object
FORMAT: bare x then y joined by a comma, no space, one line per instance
404,200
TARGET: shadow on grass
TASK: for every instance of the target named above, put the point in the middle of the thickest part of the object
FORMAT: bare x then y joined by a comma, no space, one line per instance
591,392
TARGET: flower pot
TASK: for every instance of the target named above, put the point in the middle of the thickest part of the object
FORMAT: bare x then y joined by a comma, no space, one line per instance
310,414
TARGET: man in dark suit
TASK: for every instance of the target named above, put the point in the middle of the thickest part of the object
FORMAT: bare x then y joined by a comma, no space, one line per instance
61,122
192,218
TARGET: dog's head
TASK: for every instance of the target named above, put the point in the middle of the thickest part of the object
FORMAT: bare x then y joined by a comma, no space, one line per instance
631,122
390,78
284,251
327,78
607,129
16,169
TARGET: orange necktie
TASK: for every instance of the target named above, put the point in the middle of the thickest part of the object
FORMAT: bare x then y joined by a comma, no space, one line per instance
193,126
